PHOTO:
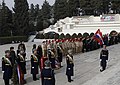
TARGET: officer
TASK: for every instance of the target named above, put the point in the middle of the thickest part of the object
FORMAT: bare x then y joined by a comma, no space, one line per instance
47,74
34,64
60,53
21,61
70,66
13,57
103,58
51,57
7,67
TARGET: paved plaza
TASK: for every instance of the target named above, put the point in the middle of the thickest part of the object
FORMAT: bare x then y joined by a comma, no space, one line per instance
86,68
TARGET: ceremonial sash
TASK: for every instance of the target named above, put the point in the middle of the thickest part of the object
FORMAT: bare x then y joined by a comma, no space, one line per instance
21,57
35,58
60,49
7,61
52,53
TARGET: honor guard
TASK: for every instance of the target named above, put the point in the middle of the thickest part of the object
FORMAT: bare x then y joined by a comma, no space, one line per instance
60,53
13,57
103,58
34,64
7,67
51,57
47,74
21,61
70,66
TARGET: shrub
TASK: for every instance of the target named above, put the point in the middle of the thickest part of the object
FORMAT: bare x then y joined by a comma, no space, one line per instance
61,36
8,40
68,36
79,35
85,34
74,35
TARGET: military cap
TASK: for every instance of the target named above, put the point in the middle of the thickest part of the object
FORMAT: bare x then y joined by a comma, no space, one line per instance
7,51
47,63
11,47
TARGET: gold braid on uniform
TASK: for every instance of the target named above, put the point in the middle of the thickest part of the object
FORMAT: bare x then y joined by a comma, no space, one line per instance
35,58
7,61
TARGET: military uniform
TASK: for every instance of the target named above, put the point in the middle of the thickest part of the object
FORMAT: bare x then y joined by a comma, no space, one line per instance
103,59
51,57
60,54
34,66
21,61
70,67
7,69
47,74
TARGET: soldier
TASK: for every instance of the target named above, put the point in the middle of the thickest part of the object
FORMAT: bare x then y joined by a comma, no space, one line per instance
39,52
103,58
60,54
51,57
7,67
21,61
70,66
13,57
47,74
34,64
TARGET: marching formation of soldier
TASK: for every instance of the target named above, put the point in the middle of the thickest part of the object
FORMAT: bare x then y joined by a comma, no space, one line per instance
48,57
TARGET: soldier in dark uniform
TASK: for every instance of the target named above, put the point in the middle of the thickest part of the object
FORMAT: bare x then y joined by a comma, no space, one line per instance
34,64
70,66
21,61
39,52
47,74
13,57
7,67
51,57
103,58
60,53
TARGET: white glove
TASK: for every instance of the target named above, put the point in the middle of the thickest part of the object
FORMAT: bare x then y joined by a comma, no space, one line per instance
32,67
68,68
3,71
107,61
100,59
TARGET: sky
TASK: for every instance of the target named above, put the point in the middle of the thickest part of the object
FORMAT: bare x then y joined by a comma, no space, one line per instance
10,3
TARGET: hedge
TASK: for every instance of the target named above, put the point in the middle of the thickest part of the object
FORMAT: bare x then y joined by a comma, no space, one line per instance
8,40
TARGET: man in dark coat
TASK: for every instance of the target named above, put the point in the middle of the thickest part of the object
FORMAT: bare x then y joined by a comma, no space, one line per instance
51,57
103,58
60,53
47,74
13,57
70,66
34,64
7,67
21,61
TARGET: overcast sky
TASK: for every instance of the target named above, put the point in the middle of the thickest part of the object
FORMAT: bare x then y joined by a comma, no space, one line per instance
10,3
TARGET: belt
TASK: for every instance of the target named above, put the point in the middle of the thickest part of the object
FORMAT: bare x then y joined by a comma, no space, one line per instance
104,55
7,64
22,61
35,61
47,78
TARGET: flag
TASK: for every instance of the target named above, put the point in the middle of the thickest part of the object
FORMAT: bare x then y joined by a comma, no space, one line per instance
20,74
42,63
98,37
